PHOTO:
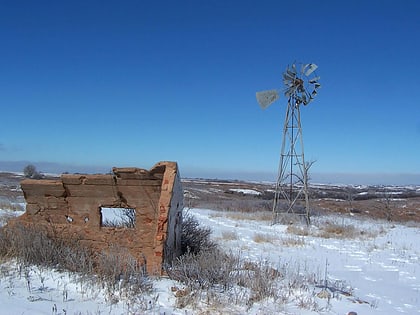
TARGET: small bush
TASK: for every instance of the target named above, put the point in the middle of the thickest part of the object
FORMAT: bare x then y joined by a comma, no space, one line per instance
195,238
30,172
118,269
204,269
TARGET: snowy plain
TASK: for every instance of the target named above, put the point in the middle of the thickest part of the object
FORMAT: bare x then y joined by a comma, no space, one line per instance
380,268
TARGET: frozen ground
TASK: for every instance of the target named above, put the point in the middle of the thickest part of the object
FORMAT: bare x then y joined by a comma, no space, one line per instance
379,266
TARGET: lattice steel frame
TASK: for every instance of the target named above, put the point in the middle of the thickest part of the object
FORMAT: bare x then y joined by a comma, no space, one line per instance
292,179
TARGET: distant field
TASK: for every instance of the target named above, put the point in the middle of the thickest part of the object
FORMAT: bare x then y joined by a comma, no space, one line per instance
399,203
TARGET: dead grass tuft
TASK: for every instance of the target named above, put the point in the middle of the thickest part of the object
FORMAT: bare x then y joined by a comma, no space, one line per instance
293,241
252,216
345,231
263,238
298,230
229,235
336,230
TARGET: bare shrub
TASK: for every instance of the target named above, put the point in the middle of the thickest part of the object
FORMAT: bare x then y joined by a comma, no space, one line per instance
30,172
261,280
121,272
195,238
387,205
204,269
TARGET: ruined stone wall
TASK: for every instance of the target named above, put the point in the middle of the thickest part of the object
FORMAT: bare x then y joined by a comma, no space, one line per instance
71,207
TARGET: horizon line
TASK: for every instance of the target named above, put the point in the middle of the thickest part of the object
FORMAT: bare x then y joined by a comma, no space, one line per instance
354,178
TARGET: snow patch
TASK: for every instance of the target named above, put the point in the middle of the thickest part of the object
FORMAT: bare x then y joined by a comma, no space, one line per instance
245,191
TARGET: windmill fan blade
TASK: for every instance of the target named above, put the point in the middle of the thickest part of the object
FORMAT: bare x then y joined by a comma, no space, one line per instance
290,74
314,80
311,68
288,77
266,98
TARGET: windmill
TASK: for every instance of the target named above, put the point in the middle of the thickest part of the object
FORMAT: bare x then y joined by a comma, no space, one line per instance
301,86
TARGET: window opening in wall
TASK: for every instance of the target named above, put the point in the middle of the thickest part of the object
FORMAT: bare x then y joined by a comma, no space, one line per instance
118,217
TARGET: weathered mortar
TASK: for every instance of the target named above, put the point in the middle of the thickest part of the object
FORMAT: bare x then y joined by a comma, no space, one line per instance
71,206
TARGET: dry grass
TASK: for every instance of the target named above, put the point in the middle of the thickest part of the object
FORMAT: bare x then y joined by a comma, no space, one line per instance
336,230
345,231
298,230
333,229
263,238
229,235
293,241
115,270
252,216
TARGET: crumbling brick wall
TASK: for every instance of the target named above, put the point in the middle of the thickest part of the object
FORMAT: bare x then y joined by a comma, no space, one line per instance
71,207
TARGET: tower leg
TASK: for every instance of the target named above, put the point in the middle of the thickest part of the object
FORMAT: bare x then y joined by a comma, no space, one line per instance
291,197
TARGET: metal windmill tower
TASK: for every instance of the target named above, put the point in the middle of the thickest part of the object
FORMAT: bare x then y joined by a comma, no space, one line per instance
301,85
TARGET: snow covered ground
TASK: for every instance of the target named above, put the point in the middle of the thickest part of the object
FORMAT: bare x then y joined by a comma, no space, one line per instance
381,265
378,268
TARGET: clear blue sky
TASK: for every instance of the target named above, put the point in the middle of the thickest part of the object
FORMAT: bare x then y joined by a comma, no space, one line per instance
130,83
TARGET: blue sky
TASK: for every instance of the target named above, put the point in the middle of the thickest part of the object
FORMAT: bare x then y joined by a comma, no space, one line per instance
130,83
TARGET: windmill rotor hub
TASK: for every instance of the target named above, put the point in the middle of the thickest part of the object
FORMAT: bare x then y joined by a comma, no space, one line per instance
298,83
